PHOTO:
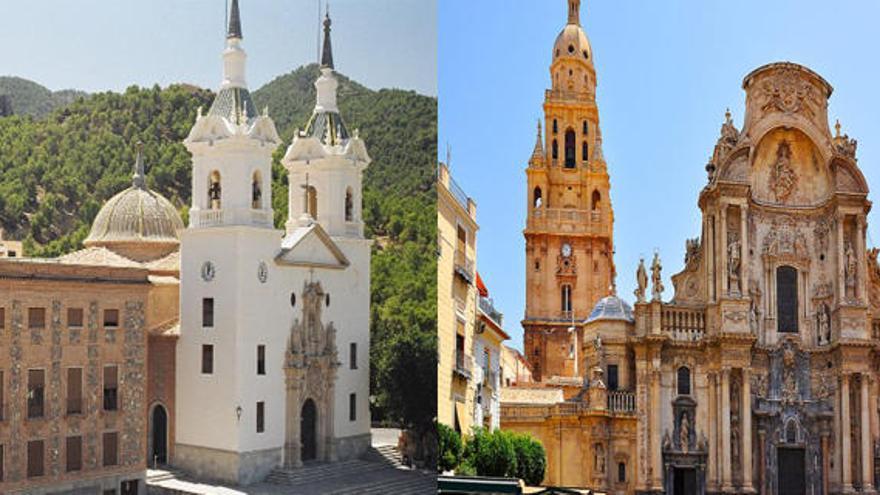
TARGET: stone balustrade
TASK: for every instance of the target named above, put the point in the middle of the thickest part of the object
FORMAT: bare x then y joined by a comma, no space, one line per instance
683,324
566,220
621,401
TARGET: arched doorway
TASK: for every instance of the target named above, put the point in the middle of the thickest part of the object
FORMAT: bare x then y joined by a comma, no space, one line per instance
158,436
308,423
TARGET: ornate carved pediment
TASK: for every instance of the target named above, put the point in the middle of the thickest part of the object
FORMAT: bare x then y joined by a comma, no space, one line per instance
310,340
787,92
785,240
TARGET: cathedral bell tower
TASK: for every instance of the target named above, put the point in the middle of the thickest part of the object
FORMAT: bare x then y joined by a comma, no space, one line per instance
569,241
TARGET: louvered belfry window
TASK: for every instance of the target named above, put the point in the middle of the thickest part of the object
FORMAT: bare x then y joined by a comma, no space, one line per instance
786,299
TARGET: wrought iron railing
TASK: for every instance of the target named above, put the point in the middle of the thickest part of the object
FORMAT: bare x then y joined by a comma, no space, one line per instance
464,267
462,364
488,308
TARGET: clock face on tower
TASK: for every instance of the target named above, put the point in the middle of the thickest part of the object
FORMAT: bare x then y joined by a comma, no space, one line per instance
566,250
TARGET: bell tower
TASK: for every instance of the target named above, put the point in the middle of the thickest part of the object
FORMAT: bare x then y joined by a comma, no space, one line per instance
569,225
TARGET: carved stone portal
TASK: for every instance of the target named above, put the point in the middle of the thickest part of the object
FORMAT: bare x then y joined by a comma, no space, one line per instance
310,371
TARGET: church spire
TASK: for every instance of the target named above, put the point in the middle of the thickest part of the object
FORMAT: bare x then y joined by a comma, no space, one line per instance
327,52
538,152
234,28
574,9
139,179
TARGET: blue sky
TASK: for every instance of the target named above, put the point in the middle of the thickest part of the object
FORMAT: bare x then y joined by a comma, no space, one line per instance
666,72
97,45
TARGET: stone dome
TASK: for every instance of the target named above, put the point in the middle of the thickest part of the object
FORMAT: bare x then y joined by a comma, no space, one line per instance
572,42
611,308
137,223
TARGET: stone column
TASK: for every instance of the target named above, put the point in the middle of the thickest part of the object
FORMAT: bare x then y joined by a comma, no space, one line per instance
841,261
746,430
845,447
709,249
712,461
722,250
826,486
762,476
657,434
861,281
725,430
744,250
865,429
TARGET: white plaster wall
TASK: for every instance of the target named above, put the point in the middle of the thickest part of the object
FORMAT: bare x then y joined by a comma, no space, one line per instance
330,178
236,159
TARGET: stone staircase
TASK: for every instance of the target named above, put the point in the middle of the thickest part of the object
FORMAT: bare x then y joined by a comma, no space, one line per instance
387,454
314,472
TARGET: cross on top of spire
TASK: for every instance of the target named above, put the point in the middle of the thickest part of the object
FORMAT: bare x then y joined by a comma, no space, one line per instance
234,29
327,52
574,12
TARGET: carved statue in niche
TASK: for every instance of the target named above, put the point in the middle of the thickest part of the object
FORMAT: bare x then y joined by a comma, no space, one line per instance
641,281
759,385
656,278
684,433
821,234
783,179
789,376
733,263
850,270
754,315
823,326
667,441
599,461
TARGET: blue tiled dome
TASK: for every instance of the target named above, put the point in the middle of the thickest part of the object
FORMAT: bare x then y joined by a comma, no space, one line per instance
611,308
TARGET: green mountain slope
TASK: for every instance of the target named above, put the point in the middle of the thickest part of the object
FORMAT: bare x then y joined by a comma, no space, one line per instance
29,98
56,172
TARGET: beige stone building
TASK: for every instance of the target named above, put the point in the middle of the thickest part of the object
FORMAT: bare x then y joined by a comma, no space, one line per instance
514,368
88,343
456,302
10,248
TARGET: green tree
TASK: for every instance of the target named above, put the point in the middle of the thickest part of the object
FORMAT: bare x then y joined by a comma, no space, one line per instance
449,447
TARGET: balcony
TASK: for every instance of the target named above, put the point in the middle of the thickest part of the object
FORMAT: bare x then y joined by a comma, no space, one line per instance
568,220
238,216
464,267
683,324
462,365
564,95
490,378
621,401
487,306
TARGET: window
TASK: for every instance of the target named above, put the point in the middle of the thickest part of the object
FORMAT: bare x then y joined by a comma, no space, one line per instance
36,317
684,381
596,200
2,318
613,377
787,299
352,407
35,458
312,197
1,463
111,448
536,198
257,191
74,391
569,149
459,346
621,472
214,191
555,126
2,397
207,359
349,206
111,388
207,312
555,150
261,417
566,298
585,151
74,454
36,387
111,318
261,360
74,317
586,129
353,356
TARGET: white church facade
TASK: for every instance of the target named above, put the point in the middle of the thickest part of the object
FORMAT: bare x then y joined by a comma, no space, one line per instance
272,363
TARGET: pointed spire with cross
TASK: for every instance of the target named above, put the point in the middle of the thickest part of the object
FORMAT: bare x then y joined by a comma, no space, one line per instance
327,52
234,28
139,179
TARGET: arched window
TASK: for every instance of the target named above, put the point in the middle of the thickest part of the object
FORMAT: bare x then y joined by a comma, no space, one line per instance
555,152
595,201
536,198
569,149
257,191
586,124
787,299
585,151
566,298
214,190
349,205
621,472
684,381
555,126
791,431
312,194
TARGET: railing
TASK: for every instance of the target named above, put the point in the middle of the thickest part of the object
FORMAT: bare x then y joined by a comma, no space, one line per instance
464,267
561,94
462,364
621,401
683,324
566,220
458,193
487,306
243,216
207,218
